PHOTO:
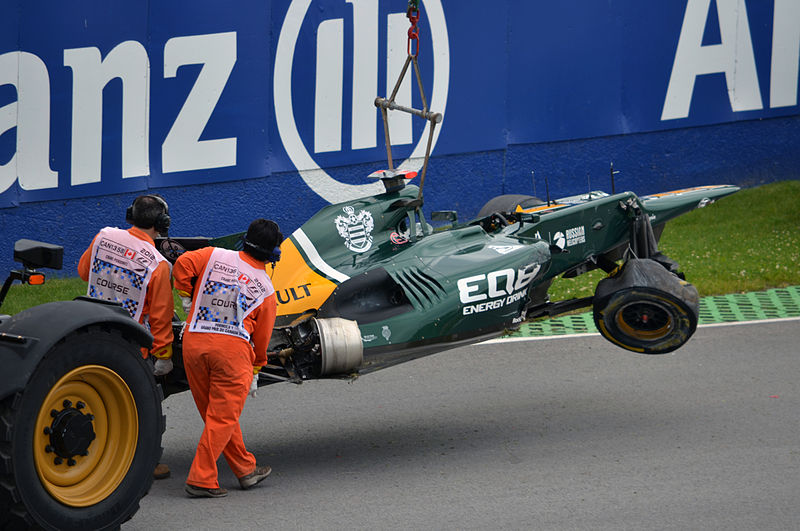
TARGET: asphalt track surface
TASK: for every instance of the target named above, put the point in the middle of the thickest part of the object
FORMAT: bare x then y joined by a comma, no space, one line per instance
564,433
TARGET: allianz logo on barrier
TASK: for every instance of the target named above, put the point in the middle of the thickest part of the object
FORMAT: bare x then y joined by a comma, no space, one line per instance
329,82
182,149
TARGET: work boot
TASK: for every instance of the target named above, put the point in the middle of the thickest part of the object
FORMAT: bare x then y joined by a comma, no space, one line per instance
202,492
161,471
256,476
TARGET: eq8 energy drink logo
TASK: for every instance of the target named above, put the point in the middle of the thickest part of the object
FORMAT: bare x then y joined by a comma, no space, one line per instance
495,290
351,54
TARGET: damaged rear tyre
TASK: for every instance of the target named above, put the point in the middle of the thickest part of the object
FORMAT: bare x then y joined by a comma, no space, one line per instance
645,308
82,439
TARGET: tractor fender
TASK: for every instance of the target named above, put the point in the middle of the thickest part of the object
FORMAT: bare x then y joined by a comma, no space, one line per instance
27,336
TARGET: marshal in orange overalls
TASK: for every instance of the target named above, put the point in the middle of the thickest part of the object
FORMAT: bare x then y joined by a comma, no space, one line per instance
220,369
158,304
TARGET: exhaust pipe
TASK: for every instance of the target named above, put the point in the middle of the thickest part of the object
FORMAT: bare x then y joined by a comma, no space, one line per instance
340,345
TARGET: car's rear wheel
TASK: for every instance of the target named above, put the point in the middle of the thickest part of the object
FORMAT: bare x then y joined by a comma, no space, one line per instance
645,308
83,437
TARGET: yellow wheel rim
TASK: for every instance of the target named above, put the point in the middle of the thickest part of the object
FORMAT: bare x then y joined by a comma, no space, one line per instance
646,321
85,436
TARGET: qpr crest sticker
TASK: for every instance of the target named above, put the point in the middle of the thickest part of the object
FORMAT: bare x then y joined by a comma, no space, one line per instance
356,229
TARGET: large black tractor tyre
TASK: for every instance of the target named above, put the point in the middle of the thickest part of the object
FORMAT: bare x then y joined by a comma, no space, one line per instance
79,443
645,308
508,203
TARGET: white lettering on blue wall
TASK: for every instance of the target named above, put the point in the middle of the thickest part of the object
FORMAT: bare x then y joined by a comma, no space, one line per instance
128,61
365,72
785,54
182,149
734,57
328,97
327,133
329,87
30,114
400,129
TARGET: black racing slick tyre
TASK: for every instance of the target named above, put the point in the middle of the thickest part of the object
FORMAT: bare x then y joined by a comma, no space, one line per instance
508,203
645,308
78,445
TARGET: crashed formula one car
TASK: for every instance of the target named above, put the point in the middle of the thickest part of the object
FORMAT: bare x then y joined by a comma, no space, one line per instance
369,283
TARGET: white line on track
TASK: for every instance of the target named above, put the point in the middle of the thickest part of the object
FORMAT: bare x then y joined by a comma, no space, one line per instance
589,334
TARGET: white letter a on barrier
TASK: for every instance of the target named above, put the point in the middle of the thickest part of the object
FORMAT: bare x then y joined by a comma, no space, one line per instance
733,56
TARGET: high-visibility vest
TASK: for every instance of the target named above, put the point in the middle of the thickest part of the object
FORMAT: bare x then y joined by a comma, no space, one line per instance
121,268
229,290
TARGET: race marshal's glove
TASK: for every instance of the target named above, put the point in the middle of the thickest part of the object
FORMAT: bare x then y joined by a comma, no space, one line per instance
254,386
162,366
186,304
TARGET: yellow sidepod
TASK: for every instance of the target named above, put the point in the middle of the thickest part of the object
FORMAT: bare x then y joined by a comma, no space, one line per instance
297,286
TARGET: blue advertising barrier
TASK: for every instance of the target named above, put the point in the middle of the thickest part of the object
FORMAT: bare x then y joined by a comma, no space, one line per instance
266,108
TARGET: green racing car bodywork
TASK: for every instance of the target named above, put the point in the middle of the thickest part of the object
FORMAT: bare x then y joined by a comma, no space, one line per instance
370,283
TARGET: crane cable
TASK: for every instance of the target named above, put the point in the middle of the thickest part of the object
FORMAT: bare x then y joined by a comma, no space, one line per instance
385,105
413,32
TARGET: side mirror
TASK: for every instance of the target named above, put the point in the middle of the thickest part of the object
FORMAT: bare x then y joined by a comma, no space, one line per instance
530,218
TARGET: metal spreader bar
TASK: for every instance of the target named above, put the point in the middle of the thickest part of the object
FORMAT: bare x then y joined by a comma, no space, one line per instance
383,103
386,105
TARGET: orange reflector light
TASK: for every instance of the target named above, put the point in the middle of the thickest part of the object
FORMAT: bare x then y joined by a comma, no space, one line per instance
36,279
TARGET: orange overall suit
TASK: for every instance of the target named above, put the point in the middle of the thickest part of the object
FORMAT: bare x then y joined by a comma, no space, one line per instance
220,369
159,305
